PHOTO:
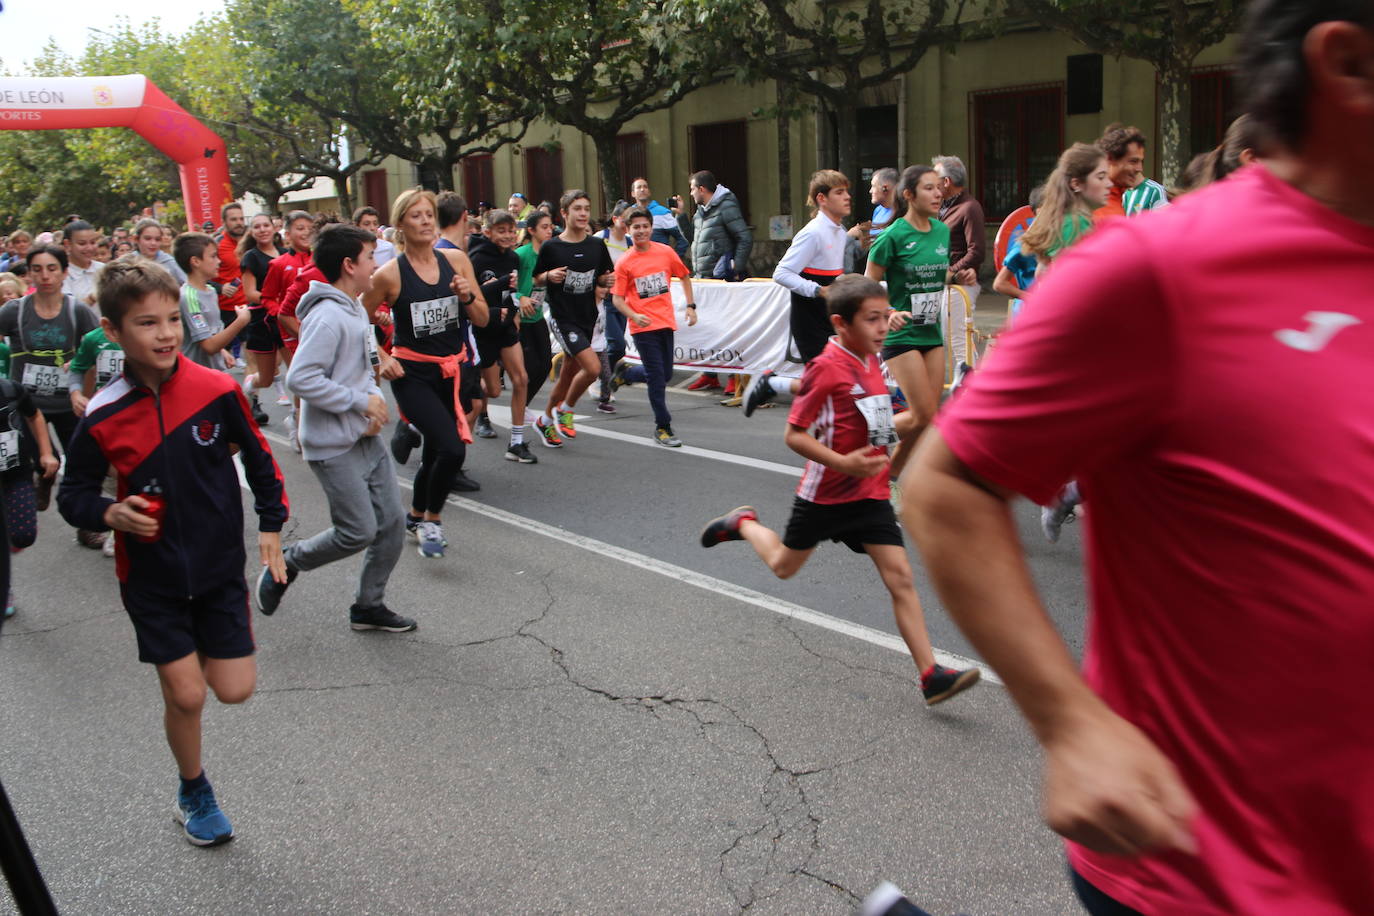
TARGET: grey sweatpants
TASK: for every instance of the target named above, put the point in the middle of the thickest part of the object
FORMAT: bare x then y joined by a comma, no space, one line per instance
365,507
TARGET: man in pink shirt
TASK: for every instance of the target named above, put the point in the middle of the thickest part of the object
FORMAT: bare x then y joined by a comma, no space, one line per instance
1210,394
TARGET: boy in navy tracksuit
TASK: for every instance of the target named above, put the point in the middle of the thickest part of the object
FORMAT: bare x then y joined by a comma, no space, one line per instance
166,425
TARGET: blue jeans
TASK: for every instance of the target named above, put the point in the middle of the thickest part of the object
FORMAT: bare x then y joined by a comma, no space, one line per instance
656,352
615,333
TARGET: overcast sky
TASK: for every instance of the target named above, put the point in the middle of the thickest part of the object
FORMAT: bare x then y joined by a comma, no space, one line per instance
26,25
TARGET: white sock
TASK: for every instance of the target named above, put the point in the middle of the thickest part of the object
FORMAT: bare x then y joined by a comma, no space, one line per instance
564,408
780,385
281,387
517,434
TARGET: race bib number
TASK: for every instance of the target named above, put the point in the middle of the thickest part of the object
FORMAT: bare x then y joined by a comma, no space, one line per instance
108,364
373,357
579,281
434,316
652,285
537,297
40,379
925,308
877,412
9,450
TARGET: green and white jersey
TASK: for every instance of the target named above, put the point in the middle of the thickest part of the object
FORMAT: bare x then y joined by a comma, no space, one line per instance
1148,195
914,264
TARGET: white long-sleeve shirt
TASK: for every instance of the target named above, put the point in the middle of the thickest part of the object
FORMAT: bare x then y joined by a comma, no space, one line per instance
819,246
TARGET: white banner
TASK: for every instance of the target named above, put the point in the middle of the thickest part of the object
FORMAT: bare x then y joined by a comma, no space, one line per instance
741,328
745,328
85,93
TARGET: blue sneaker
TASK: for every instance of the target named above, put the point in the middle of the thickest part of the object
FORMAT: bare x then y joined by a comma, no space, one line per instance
198,812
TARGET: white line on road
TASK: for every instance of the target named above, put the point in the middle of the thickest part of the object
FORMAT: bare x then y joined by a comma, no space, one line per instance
500,416
699,580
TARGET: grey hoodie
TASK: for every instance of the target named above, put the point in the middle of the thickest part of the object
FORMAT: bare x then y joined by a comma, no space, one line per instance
332,371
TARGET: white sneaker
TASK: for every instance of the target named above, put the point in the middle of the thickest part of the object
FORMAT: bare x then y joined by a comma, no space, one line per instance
249,384
291,432
283,398
107,549
432,543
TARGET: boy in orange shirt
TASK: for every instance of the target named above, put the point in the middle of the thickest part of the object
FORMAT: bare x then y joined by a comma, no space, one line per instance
641,294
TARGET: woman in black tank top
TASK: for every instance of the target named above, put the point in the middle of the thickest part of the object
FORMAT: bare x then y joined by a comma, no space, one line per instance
432,296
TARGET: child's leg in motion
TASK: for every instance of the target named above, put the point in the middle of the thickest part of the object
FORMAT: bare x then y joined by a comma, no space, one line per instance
781,559
895,569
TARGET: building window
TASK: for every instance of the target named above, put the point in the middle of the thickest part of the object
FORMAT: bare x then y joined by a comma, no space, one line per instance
1018,136
478,182
722,149
632,152
543,174
1213,93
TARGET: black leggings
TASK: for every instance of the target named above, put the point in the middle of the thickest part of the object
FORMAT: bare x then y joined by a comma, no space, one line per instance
64,424
426,399
534,343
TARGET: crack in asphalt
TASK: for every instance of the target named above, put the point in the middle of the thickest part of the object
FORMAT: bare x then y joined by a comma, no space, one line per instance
790,820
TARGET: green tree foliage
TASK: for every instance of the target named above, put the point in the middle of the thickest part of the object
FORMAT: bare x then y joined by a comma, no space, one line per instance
391,85
275,145
829,51
1167,33
595,64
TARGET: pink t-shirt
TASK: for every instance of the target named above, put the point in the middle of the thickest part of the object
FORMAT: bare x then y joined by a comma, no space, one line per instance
1204,372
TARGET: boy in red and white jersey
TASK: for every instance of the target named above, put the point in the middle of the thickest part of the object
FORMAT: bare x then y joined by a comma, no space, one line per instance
842,423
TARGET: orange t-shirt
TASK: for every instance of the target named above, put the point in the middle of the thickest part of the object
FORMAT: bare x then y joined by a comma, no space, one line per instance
229,272
643,278
1112,208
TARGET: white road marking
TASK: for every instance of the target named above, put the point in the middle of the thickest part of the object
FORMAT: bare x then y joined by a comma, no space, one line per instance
500,416
696,579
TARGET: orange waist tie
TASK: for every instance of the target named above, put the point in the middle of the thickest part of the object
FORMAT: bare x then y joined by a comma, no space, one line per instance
449,366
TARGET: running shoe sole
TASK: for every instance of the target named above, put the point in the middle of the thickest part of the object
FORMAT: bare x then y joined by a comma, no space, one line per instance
963,682
385,628
725,524
180,817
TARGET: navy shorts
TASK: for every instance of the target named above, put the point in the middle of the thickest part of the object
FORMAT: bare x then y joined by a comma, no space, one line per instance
854,524
216,624
898,349
262,335
572,338
492,340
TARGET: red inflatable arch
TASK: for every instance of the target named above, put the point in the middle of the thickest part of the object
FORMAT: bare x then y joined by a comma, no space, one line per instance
64,102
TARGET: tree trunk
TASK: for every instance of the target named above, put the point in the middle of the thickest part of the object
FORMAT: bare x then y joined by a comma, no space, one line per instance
273,202
608,163
847,151
343,194
784,150
1175,119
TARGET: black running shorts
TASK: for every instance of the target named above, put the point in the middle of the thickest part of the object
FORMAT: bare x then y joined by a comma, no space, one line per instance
216,623
854,524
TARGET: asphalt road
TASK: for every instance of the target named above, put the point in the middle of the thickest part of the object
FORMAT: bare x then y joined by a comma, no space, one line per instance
595,716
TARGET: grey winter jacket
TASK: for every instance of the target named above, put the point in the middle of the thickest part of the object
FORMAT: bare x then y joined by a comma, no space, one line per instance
719,231
332,371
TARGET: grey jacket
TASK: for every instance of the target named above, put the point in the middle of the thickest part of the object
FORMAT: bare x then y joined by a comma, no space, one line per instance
719,231
332,371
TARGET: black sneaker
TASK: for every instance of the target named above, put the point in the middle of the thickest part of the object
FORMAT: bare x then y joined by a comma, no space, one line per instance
260,416
483,428
760,392
404,440
940,683
520,452
887,900
268,592
618,376
379,618
726,527
462,483
413,525
42,492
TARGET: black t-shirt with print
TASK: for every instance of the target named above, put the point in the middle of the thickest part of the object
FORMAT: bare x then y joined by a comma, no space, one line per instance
574,300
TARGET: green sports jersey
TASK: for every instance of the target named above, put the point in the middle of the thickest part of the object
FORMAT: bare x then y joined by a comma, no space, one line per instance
524,283
99,351
915,264
1148,195
1076,225
4,359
